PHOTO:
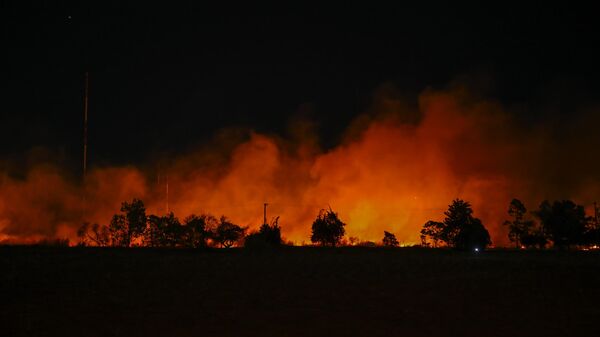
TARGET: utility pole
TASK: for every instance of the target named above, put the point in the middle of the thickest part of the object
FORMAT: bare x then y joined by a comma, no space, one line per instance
85,137
265,213
85,124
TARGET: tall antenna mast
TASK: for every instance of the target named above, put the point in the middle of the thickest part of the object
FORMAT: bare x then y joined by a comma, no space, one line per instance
85,136
85,124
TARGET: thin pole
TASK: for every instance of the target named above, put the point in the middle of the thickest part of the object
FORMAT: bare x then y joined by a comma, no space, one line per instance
167,194
265,214
85,123
85,136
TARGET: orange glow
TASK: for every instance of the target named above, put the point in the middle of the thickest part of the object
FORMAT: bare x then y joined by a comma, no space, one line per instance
387,174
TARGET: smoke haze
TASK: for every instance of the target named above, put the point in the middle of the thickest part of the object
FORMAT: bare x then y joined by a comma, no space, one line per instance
395,167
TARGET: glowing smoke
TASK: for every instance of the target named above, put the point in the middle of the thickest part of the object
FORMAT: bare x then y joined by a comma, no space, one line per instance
396,169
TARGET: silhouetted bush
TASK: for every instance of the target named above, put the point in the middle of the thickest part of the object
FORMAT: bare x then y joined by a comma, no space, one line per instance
518,227
389,240
227,234
163,231
197,230
128,226
432,230
327,229
268,236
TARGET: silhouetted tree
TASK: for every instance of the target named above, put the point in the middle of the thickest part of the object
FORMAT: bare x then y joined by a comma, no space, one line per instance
197,230
389,239
327,229
227,233
125,228
563,222
135,213
424,242
518,227
472,235
432,230
458,214
459,229
163,231
118,231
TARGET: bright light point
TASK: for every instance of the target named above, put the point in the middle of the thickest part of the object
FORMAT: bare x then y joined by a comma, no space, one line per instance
476,250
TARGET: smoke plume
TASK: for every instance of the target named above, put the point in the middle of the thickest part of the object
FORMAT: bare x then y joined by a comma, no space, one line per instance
395,168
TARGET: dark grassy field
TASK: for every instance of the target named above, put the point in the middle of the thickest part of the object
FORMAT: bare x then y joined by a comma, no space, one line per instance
297,292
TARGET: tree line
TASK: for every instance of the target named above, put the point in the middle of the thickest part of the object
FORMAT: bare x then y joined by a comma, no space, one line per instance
564,224
132,227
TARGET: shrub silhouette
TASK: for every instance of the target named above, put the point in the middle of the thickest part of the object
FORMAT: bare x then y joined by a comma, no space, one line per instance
327,229
128,226
227,234
389,240
432,230
163,231
267,236
197,230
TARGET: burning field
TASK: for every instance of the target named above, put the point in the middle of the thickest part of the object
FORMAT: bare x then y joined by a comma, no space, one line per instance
395,167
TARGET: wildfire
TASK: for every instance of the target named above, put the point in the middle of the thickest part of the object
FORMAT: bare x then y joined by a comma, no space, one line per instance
388,174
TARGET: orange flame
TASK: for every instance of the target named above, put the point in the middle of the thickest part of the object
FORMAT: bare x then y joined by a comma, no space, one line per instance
388,174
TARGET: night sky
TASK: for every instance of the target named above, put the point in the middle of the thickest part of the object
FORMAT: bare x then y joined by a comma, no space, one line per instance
164,80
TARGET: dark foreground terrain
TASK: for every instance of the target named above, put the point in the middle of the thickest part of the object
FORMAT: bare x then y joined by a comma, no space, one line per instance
297,292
